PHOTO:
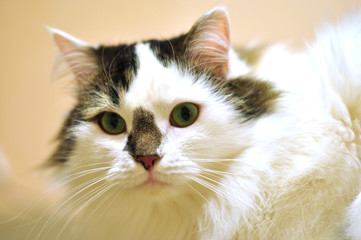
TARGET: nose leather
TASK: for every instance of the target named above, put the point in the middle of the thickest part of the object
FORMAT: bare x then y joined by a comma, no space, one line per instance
148,161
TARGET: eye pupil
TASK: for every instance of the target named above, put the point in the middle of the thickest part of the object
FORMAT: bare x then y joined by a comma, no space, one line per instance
113,120
185,113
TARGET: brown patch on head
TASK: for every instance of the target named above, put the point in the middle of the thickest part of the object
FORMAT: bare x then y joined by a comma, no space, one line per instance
118,65
252,97
170,50
145,137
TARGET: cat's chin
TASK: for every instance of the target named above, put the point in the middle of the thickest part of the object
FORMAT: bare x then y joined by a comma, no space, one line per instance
153,186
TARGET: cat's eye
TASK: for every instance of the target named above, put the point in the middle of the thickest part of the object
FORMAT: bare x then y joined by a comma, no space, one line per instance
111,123
184,114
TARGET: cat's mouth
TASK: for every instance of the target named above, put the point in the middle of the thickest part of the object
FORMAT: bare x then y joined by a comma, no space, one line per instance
151,181
153,184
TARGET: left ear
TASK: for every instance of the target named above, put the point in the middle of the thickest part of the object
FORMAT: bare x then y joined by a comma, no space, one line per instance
78,55
208,42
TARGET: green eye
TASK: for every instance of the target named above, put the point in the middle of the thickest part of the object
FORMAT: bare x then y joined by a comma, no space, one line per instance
184,115
111,123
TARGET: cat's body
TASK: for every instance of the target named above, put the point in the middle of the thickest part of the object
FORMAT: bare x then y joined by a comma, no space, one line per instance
273,151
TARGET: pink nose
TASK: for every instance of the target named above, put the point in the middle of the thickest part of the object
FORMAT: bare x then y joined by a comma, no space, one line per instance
148,161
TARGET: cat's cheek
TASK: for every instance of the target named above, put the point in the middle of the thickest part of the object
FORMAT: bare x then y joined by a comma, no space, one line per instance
126,173
175,167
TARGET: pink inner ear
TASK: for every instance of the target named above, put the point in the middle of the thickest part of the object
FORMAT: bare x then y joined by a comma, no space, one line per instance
210,42
76,53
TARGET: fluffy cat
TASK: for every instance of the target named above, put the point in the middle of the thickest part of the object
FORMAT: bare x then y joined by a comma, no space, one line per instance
187,138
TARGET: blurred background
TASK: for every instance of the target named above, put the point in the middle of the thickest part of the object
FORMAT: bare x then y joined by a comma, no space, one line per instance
32,106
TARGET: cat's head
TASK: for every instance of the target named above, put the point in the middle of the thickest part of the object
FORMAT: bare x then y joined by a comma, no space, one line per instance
160,116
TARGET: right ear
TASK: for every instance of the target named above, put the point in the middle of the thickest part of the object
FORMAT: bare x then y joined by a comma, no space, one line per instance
208,41
78,54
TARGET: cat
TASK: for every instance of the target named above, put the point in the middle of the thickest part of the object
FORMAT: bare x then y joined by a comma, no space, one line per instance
189,138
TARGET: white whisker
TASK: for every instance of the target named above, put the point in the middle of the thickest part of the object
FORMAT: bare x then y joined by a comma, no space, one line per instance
100,204
87,203
46,224
208,186
195,190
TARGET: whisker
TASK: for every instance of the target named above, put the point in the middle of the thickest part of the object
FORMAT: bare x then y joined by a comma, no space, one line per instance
208,186
214,188
216,160
78,175
56,186
216,182
202,183
223,162
100,204
200,194
54,219
218,172
87,203
97,180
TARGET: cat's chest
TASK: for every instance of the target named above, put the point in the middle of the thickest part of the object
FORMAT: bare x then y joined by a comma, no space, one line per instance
141,221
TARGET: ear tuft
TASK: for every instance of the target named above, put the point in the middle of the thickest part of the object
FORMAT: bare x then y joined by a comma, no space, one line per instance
77,54
208,41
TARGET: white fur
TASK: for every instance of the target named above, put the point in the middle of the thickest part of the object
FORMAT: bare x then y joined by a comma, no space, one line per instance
292,174
73,39
354,219
236,66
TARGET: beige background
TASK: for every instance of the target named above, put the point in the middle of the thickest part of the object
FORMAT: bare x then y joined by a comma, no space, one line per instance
32,107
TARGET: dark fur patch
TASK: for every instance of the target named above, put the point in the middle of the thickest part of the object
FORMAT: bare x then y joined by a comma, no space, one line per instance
145,137
117,67
117,64
167,51
252,97
66,138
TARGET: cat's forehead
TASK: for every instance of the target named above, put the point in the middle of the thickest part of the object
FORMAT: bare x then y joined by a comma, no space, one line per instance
155,82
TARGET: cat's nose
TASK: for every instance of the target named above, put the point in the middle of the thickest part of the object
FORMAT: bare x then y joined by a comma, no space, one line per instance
148,161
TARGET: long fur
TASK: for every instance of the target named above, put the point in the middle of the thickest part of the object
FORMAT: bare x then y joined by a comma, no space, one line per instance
291,173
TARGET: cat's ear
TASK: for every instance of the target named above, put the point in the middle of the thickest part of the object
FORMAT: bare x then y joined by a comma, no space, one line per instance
78,55
208,41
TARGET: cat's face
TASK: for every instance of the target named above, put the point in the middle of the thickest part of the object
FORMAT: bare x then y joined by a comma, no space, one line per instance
151,127
158,116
